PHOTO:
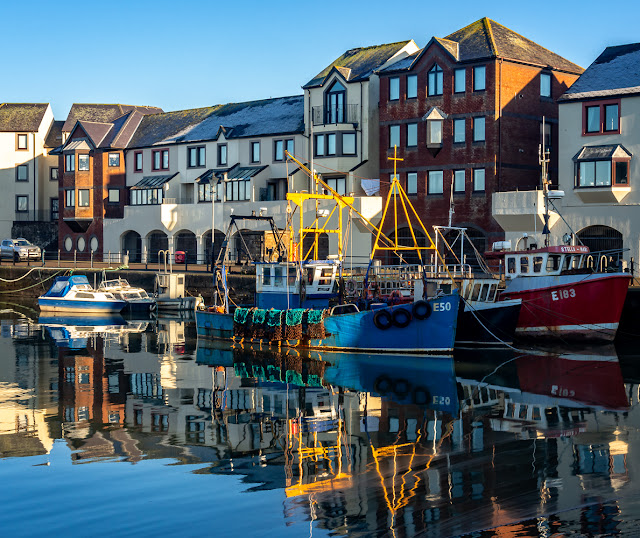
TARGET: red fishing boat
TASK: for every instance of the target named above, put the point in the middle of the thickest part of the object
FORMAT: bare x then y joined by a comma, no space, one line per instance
562,292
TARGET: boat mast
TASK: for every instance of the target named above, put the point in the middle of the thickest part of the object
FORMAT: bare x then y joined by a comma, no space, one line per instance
543,159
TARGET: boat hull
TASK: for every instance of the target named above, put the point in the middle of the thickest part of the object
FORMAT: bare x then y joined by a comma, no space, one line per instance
47,304
358,332
487,324
570,307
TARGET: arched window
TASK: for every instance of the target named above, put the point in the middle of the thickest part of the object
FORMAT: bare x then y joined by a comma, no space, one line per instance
434,83
405,240
602,239
335,100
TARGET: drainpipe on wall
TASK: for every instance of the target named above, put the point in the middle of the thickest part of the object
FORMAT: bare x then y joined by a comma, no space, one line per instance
500,129
34,176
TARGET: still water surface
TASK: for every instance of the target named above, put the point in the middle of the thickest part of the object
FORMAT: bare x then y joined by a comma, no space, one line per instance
137,428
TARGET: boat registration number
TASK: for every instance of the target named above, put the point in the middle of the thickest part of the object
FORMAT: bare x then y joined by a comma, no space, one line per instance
441,400
558,295
441,307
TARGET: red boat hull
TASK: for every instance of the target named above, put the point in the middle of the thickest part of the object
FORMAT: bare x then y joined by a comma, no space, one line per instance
569,306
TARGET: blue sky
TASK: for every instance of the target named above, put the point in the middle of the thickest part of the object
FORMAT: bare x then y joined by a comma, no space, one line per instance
189,54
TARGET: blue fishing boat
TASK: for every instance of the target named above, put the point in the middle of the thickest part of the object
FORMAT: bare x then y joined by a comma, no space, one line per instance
295,299
75,294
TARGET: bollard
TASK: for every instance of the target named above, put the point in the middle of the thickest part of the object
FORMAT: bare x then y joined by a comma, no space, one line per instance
75,258
43,257
91,258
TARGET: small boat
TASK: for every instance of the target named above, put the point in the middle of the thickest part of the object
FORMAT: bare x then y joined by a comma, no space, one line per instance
136,299
75,294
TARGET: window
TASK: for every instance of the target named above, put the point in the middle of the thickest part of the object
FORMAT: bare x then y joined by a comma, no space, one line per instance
137,161
22,203
22,141
279,150
22,172
114,196
237,190
348,143
331,144
434,83
478,180
394,136
338,184
222,154
204,192
320,151
84,199
160,159
621,169
545,85
459,80
69,198
412,86
70,163
601,118
412,183
55,208
196,157
478,129
335,103
83,163
459,126
479,76
146,196
434,132
53,173
412,134
594,174
289,146
394,88
114,160
255,152
458,181
434,184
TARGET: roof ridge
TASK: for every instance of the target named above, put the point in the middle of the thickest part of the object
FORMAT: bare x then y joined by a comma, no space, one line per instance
376,46
492,41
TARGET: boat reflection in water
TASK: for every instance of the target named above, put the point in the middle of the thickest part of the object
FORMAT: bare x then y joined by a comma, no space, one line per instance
371,444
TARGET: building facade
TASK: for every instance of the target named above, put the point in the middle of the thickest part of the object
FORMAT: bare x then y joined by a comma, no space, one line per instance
465,114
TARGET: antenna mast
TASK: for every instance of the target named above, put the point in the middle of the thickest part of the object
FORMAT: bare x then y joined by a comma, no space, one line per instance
543,160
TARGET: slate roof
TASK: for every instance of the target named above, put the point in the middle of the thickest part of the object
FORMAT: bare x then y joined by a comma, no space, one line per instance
604,152
54,136
486,39
21,117
102,113
96,131
360,63
266,117
615,72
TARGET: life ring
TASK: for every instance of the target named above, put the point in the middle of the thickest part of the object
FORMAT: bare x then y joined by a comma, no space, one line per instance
350,287
382,319
382,384
421,309
401,317
401,388
420,396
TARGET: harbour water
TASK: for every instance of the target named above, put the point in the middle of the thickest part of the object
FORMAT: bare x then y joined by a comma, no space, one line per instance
136,428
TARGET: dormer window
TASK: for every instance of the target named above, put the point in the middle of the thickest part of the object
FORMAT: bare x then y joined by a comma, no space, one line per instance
335,100
435,120
434,83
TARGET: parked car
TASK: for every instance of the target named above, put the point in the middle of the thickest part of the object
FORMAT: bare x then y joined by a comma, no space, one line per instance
19,249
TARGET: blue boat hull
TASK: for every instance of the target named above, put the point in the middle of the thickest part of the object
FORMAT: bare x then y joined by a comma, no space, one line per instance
53,304
358,332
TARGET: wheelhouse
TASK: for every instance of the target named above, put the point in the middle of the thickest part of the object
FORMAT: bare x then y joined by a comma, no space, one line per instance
549,261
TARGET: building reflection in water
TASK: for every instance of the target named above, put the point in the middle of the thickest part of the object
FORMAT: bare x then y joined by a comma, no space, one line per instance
356,442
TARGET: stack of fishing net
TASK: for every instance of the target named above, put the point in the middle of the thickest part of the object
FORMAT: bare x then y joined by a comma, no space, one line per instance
293,330
240,319
315,324
274,325
258,330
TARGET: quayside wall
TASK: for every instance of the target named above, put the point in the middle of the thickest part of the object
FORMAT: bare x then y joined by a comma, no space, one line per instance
21,281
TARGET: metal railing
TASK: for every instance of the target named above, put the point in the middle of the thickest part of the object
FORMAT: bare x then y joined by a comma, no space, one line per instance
323,115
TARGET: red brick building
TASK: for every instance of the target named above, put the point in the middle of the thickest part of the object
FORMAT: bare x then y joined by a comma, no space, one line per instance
466,114
91,174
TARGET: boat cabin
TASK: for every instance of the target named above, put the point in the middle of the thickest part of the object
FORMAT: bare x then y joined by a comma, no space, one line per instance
283,285
547,261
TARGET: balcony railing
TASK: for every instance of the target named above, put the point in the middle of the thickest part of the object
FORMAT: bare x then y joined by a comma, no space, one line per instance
179,201
323,115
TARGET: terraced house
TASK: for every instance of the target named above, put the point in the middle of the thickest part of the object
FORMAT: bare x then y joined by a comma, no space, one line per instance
28,174
91,173
178,161
466,115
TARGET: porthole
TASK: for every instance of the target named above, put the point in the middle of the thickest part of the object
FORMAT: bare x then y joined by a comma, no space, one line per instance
93,244
81,244
68,243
